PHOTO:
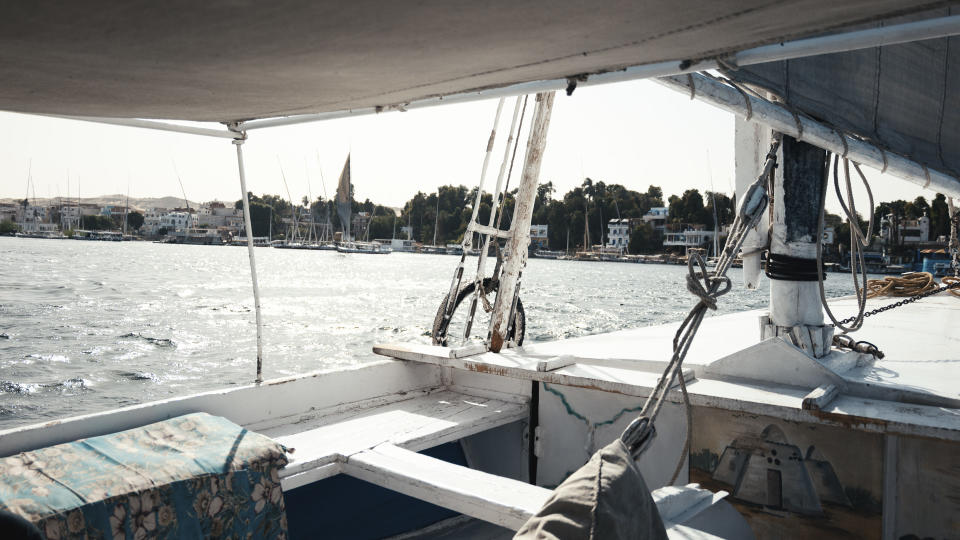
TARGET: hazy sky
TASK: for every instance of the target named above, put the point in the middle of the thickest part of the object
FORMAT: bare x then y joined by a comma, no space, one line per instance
635,134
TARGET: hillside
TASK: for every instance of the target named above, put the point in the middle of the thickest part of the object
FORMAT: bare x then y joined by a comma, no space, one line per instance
141,203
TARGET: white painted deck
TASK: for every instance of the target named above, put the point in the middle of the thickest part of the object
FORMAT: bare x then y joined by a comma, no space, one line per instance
323,444
920,341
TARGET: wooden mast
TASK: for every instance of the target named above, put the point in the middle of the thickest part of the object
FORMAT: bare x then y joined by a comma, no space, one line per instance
517,244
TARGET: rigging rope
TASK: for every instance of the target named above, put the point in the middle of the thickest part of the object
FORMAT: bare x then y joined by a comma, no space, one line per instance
858,241
707,287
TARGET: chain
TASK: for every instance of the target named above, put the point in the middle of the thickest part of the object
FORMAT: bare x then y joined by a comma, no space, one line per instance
914,298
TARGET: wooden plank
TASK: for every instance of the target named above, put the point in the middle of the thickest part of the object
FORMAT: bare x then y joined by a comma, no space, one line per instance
417,423
628,377
256,407
310,476
820,397
506,502
556,362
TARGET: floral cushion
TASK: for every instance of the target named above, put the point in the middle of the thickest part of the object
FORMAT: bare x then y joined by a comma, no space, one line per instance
188,477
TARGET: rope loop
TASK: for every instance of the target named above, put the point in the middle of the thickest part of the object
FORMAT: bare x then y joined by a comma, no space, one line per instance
796,118
693,88
746,101
843,141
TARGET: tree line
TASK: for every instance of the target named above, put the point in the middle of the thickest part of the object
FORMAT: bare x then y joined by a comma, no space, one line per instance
578,219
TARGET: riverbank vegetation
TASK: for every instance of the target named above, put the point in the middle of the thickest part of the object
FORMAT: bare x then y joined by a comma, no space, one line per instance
576,218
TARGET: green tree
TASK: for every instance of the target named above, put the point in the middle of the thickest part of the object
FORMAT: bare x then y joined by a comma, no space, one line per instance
939,217
135,220
644,239
725,208
98,223
689,208
8,227
918,208
260,219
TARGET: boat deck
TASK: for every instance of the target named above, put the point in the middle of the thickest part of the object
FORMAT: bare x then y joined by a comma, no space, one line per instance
909,392
322,444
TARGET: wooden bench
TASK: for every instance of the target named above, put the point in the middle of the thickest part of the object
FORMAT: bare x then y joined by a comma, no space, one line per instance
323,444
379,444
495,499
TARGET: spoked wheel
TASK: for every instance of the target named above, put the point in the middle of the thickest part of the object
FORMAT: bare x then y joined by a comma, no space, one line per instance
457,323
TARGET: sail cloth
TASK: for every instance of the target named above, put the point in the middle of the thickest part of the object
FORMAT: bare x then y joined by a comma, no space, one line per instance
606,499
902,97
344,199
223,60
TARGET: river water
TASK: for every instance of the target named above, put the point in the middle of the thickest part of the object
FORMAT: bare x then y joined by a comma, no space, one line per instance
90,326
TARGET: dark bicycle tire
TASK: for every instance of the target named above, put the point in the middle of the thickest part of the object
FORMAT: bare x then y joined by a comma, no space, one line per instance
440,327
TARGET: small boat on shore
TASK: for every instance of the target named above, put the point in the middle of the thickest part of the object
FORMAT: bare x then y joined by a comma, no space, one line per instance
371,248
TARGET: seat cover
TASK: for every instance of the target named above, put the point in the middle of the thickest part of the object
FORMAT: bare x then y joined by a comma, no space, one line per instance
605,499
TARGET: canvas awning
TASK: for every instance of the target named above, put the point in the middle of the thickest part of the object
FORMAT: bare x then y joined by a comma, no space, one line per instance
903,98
226,60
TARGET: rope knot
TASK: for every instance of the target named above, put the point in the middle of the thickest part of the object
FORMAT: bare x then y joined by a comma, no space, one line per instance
703,285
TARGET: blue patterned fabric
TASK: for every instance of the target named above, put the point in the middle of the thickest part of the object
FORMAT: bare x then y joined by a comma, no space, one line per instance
188,477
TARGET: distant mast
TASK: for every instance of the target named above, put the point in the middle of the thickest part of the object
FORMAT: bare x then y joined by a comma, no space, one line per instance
343,199
436,218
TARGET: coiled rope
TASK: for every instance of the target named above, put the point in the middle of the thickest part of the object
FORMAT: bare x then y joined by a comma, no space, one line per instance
954,283
909,284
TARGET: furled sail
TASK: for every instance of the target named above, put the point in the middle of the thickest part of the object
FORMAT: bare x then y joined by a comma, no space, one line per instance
344,199
901,97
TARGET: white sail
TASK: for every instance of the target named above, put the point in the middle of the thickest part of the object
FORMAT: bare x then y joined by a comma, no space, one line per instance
343,199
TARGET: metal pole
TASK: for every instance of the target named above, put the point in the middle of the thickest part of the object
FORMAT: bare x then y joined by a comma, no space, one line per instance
522,215
781,119
851,41
150,124
253,262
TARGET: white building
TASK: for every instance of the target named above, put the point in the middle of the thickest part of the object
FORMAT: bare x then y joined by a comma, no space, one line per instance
688,238
175,221
911,231
215,215
69,216
151,221
618,233
657,217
